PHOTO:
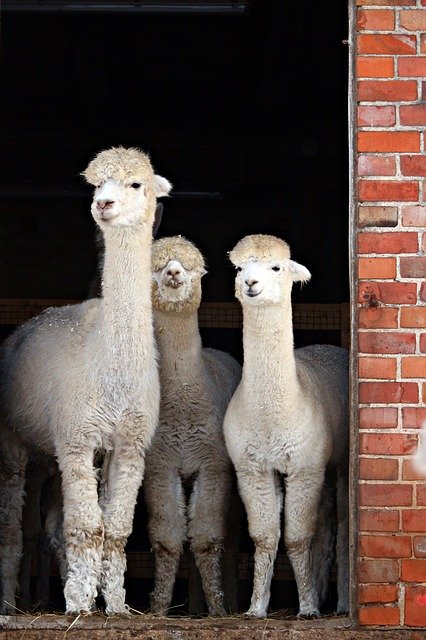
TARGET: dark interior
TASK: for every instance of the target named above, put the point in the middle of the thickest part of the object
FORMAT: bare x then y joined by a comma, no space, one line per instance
244,111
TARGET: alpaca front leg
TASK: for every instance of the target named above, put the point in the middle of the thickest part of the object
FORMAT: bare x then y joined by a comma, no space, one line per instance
83,529
342,551
165,501
262,499
303,492
206,530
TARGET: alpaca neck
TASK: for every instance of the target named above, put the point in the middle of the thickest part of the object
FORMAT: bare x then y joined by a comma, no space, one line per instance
269,350
179,342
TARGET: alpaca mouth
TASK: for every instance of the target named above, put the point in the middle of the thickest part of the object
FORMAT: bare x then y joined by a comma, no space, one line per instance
174,284
252,294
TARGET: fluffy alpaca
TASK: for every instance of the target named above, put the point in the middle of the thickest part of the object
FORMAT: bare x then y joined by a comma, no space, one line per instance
84,378
196,386
288,416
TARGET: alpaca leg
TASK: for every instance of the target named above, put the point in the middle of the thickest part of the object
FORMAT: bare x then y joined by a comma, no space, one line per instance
165,501
54,527
83,529
208,510
196,599
301,508
262,499
231,548
342,552
323,543
13,460
31,529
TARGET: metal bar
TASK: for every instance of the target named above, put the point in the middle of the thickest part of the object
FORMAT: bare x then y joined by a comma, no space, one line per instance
128,7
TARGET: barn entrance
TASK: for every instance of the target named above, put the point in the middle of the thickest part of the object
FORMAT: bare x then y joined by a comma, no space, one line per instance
242,105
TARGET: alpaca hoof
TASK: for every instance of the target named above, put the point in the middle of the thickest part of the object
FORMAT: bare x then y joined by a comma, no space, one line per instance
217,612
342,611
254,613
308,615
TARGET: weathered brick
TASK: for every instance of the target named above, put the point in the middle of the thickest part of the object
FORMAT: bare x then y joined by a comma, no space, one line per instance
388,392
388,3
413,165
413,20
378,570
386,44
378,318
386,615
381,268
413,216
373,67
413,417
387,90
371,593
413,570
413,317
414,367
377,368
423,43
375,20
414,520
378,469
379,519
409,472
377,216
388,242
422,293
419,546
421,499
388,141
387,292
411,67
385,495
387,191
377,116
424,393
386,342
390,444
413,114
384,546
415,606
378,418
423,342
370,165
413,267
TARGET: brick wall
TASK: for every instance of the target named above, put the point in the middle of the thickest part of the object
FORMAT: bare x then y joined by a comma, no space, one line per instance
391,177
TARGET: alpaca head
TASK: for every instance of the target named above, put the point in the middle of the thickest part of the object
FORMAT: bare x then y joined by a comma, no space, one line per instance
177,269
126,188
264,269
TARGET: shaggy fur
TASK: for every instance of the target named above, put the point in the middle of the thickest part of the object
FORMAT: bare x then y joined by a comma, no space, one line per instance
288,416
84,378
188,447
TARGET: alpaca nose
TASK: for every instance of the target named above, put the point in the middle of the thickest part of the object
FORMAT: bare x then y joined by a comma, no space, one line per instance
173,272
251,283
102,205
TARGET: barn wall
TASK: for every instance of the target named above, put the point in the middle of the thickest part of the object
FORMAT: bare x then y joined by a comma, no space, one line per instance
391,240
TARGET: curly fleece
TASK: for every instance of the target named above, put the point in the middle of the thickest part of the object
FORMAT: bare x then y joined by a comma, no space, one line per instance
259,247
120,164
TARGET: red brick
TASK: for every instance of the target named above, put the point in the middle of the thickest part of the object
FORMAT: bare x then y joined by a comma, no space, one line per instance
413,417
414,367
423,42
386,44
377,368
414,520
374,67
387,292
378,418
413,317
412,67
413,165
385,495
388,242
390,444
419,546
422,294
414,267
369,165
377,216
378,317
424,393
392,546
378,570
388,141
387,90
387,191
413,216
413,114
408,471
413,20
386,615
388,392
375,20
388,3
386,342
377,268
415,606
376,116
423,342
423,245
414,570
371,593
379,519
421,498
378,469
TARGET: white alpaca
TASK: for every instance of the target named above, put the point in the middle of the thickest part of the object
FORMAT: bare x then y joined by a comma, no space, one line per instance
288,416
84,378
196,386
419,460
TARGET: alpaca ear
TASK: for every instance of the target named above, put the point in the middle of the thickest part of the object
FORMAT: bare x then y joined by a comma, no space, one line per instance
203,272
162,186
298,272
157,218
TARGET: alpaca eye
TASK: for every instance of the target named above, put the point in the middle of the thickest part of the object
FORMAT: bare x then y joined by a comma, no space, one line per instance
276,268
135,185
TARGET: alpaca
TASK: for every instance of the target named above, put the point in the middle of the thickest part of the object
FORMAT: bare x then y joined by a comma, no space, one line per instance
419,460
84,378
196,386
288,416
